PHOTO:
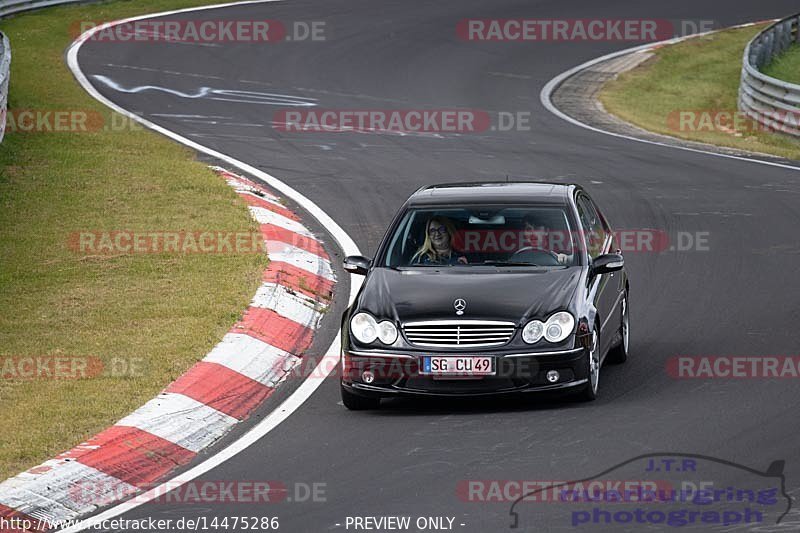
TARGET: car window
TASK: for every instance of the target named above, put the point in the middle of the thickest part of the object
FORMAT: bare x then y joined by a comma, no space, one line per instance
592,224
482,235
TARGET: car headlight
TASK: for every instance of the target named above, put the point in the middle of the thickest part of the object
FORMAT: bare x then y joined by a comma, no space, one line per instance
364,328
533,332
387,332
559,326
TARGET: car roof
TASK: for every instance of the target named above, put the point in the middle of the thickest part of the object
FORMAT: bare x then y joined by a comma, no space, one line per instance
513,192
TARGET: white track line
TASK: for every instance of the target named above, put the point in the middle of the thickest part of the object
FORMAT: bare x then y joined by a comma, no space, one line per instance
552,85
349,247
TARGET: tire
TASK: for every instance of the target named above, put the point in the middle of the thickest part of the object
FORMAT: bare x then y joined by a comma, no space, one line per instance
619,353
589,391
354,402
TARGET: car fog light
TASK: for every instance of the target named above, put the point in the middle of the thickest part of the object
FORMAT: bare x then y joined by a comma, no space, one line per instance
553,376
367,377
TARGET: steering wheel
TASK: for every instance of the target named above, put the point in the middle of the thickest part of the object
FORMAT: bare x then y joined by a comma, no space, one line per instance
537,256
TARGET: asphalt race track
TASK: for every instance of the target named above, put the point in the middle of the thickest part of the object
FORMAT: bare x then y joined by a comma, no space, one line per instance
738,297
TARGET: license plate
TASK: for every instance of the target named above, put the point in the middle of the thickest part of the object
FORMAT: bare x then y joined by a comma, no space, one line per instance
457,366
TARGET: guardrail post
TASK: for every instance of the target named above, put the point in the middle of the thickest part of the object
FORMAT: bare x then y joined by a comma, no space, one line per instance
777,47
787,34
753,53
5,73
769,45
797,29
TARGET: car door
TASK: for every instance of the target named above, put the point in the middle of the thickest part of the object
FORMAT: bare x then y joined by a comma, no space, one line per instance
603,289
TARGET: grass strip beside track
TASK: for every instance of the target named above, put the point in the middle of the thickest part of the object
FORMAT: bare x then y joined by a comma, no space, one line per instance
155,314
700,78
786,67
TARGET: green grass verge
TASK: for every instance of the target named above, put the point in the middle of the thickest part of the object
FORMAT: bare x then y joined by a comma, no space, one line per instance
701,74
786,67
163,311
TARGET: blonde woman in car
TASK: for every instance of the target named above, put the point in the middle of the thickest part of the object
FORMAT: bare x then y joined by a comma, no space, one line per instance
438,246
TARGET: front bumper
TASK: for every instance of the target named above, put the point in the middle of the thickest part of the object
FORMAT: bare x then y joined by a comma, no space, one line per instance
398,374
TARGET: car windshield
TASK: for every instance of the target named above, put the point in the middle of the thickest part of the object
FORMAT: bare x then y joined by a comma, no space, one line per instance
513,236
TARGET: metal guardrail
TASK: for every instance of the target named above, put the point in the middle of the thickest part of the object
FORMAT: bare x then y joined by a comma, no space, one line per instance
773,103
5,65
9,7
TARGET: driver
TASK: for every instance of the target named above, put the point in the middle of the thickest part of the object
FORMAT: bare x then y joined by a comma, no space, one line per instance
538,237
438,246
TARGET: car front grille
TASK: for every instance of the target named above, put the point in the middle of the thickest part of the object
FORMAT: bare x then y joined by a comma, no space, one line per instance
459,333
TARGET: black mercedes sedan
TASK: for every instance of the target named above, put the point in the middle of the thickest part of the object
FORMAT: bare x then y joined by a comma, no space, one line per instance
487,288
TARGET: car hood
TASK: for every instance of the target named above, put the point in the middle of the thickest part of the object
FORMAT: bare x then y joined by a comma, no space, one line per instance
422,294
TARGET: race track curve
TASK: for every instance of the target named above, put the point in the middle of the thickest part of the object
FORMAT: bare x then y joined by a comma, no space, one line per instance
737,298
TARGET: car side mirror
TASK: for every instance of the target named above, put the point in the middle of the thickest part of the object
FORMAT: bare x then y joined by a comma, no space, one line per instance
356,264
606,263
